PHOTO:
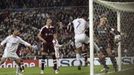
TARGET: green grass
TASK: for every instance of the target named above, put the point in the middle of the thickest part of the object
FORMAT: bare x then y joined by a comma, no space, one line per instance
127,72
67,71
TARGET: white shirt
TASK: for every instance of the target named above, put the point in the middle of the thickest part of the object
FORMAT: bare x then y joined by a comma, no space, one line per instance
56,45
80,25
12,43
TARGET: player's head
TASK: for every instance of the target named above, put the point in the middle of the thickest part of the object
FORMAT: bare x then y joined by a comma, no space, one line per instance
16,32
103,21
49,21
84,16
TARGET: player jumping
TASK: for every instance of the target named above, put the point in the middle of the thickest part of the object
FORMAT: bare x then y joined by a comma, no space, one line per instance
80,27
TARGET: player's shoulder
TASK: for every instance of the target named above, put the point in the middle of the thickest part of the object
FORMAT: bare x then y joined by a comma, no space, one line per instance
82,19
18,37
79,19
9,36
43,27
76,19
47,27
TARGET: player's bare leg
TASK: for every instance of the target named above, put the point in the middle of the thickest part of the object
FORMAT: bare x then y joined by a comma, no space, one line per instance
112,58
2,61
55,67
85,58
103,61
78,53
19,69
43,62
58,63
85,53
22,66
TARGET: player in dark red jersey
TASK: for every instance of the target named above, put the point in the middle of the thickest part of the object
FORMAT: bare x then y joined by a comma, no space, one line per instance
46,35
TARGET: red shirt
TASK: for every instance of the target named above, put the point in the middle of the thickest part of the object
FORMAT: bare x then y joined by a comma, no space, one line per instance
47,33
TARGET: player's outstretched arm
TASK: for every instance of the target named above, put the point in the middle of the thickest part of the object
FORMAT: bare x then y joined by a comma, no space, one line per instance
25,43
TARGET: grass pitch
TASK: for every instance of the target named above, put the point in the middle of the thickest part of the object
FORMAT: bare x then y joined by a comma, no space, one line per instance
127,70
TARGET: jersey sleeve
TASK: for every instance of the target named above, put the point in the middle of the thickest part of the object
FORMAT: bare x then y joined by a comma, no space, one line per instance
4,41
70,27
114,31
41,30
24,42
87,25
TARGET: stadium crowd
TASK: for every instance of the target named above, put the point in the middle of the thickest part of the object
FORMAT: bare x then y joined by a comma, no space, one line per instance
40,3
30,22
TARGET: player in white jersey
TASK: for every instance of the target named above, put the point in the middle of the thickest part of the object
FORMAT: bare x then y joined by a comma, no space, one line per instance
11,45
57,52
80,25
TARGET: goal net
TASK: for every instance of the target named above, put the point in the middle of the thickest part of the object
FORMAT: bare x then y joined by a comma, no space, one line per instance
120,17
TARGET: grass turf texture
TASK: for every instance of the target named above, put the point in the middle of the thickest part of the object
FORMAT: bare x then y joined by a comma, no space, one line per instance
69,71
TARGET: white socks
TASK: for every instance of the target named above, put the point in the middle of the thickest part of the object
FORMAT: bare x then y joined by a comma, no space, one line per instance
77,56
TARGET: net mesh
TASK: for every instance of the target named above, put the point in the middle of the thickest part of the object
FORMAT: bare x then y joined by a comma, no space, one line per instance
127,28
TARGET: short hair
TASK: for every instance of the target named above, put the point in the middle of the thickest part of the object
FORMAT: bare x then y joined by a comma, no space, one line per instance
16,29
104,18
83,15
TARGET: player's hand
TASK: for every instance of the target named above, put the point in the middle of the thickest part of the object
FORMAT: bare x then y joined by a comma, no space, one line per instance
117,38
44,41
1,46
31,49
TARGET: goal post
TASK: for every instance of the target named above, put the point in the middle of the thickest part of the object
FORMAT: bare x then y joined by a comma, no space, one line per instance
119,44
91,33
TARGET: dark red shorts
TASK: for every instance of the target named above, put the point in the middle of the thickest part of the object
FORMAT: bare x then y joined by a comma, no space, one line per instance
48,48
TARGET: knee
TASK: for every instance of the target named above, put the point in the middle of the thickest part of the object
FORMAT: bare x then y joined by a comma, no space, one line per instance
101,56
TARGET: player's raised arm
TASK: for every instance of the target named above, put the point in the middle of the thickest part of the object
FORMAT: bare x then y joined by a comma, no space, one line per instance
117,35
70,27
114,31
